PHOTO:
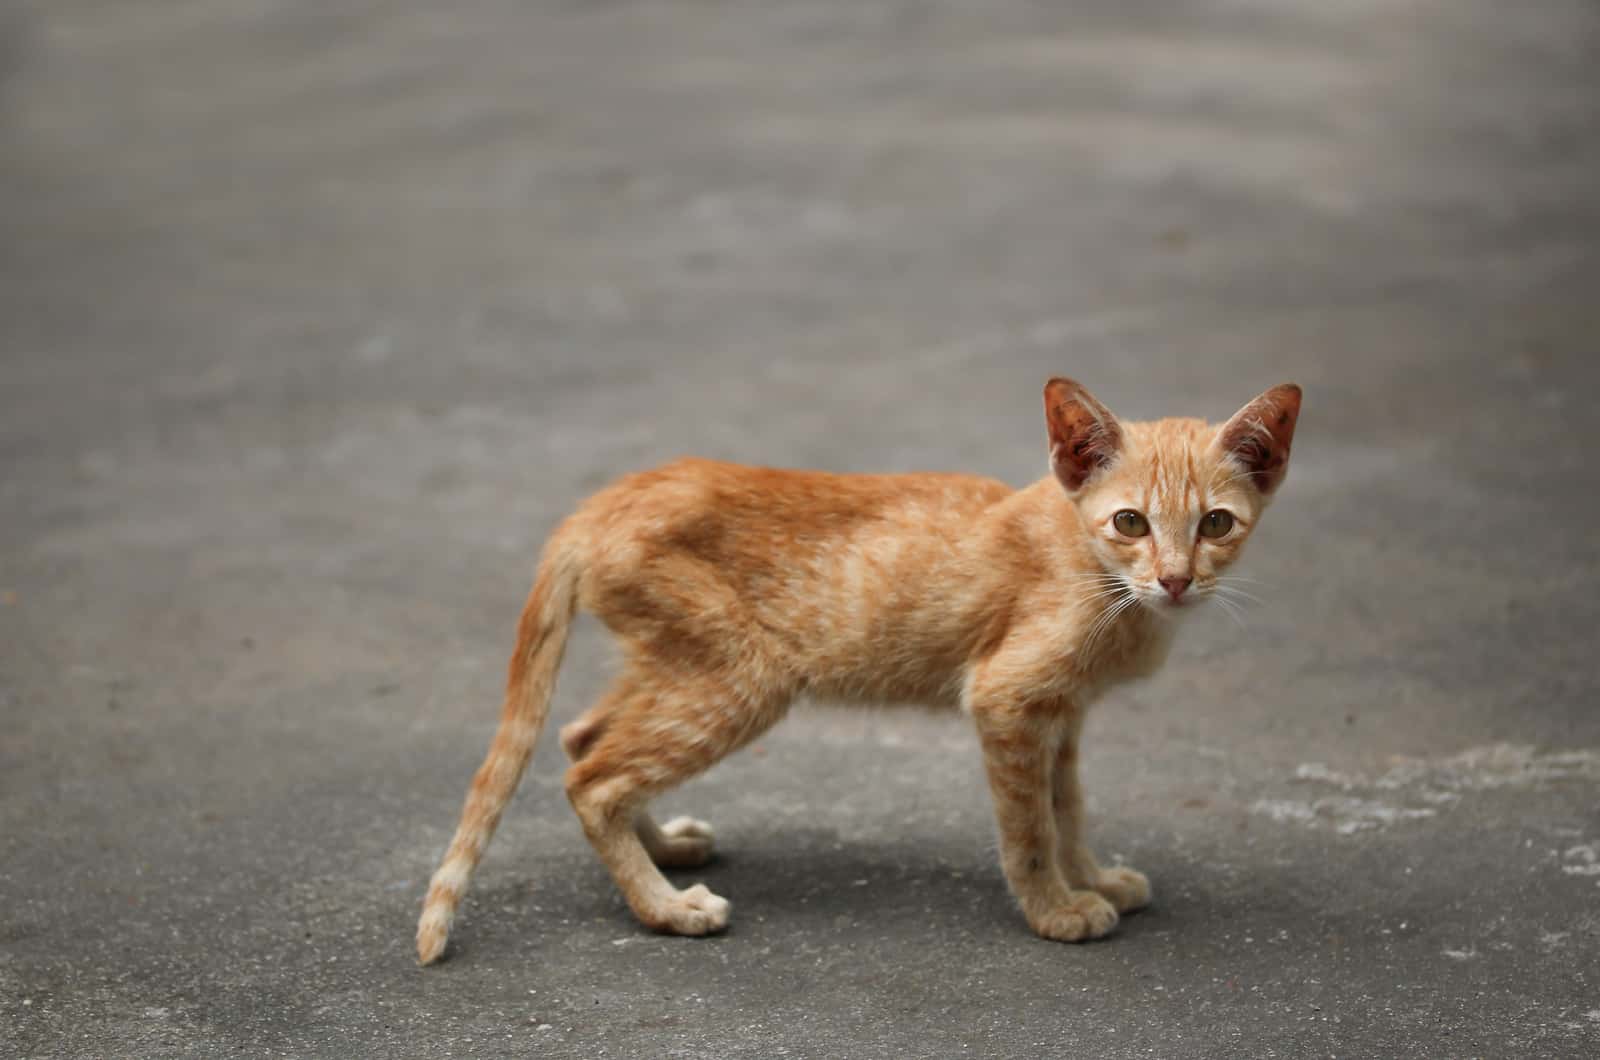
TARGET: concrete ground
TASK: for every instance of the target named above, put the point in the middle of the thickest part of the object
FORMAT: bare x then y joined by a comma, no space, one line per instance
316,318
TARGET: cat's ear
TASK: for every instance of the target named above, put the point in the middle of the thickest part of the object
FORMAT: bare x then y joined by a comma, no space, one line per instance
1258,437
1084,436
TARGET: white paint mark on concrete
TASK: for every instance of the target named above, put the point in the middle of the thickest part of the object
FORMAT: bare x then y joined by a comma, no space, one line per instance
1487,768
1284,810
1344,814
1358,815
1320,773
1581,860
1368,802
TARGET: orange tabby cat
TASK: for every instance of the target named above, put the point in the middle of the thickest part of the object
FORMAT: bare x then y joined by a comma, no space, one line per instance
734,590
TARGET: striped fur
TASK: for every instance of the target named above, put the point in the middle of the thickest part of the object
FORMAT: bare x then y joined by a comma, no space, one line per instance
733,590
541,640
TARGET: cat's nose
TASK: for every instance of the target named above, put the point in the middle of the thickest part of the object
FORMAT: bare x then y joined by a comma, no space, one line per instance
1175,586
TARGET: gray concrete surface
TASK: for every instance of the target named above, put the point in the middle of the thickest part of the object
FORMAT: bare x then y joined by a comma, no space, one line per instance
315,318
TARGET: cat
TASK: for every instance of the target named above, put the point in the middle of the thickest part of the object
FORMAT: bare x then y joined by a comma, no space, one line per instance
735,589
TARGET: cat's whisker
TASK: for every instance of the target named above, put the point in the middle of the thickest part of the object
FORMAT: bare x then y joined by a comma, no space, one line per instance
1128,604
1254,587
1231,609
1239,594
1236,593
1099,583
1102,587
1242,578
1094,633
1224,592
1094,627
1104,599
1107,618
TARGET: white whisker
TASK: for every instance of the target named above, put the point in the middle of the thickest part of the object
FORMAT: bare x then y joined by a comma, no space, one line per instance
1242,578
1232,611
1237,593
1107,617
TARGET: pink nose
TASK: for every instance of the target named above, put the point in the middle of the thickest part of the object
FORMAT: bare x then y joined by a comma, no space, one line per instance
1175,586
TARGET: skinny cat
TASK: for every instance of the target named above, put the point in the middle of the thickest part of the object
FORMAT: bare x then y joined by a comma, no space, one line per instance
735,589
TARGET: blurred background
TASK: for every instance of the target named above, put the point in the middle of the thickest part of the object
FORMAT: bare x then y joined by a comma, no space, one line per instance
315,318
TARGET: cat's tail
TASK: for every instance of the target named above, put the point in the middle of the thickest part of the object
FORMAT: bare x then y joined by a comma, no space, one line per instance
531,677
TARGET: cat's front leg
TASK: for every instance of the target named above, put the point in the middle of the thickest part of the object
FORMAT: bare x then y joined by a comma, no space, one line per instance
1125,888
1018,755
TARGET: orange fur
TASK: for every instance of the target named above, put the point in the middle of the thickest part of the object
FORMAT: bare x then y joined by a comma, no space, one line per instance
733,590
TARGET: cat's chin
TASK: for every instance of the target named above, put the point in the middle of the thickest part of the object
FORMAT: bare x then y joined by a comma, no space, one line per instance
1167,607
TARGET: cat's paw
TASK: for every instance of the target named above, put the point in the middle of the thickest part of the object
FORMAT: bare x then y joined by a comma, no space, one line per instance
684,843
1085,916
694,911
1126,889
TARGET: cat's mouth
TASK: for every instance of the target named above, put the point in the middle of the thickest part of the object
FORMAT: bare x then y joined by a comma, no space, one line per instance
1161,600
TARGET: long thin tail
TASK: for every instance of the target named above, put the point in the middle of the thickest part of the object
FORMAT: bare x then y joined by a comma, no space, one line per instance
541,640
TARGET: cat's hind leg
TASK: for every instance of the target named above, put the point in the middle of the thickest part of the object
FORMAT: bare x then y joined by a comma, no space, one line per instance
664,730
681,843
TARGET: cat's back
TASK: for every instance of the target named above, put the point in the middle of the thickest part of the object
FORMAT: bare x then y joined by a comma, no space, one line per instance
693,495
823,565
746,520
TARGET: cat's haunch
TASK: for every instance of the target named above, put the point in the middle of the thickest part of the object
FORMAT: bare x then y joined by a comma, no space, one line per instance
734,589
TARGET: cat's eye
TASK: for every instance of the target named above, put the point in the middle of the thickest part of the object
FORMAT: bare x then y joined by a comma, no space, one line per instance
1130,523
1216,523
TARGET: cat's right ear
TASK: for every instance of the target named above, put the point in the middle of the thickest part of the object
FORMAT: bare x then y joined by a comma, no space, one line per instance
1084,436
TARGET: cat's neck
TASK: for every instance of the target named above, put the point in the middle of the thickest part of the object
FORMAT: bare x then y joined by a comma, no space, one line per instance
1041,518
1048,573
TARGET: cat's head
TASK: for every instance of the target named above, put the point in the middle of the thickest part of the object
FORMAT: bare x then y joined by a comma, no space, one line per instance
1168,505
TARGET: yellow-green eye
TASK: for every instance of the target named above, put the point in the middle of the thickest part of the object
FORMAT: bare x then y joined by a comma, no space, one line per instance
1130,523
1216,523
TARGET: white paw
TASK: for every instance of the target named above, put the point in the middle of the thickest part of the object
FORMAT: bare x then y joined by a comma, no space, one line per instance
1126,889
685,843
695,911
1085,916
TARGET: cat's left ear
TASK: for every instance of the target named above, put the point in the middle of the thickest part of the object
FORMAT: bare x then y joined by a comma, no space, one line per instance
1258,437
1084,436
